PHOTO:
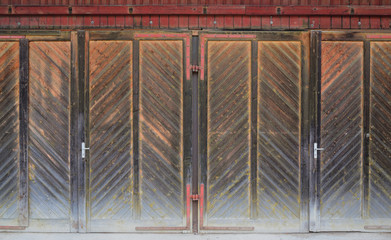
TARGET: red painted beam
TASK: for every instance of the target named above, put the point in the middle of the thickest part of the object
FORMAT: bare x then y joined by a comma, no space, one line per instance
3,10
167,9
320,10
200,10
100,10
39,10
225,10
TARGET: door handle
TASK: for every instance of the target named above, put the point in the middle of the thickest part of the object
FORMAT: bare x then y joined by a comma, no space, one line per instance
83,150
316,149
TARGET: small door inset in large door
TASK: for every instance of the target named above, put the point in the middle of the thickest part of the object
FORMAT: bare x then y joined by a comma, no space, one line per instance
354,168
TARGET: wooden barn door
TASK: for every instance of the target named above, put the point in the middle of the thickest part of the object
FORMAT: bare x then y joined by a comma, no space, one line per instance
253,131
137,132
351,168
37,191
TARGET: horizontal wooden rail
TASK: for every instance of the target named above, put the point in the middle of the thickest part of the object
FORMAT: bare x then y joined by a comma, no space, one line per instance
199,10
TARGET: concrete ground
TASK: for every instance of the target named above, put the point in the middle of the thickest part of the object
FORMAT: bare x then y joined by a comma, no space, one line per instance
309,236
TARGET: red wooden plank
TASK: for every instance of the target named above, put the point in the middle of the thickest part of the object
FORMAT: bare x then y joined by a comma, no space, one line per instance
3,10
63,22
120,21
256,22
376,2
183,21
56,21
34,22
164,21
168,9
24,22
173,22
193,22
285,22
226,10
100,10
266,22
137,21
325,22
372,10
50,22
238,22
364,22
111,21
229,22
314,22
345,22
71,21
210,22
385,22
354,23
336,22
313,2
246,21
335,2
155,21
255,10
374,22
355,2
103,21
42,22
39,10
128,21
145,21
202,22
219,21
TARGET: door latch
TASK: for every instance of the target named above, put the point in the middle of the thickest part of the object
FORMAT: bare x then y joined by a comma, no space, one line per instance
316,149
83,150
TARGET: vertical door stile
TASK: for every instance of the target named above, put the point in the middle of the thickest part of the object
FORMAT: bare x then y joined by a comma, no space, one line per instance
315,76
81,70
24,133
75,142
253,127
366,124
305,122
194,131
136,120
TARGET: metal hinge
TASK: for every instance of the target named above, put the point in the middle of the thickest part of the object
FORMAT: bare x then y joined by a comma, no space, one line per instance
83,150
195,197
316,149
195,68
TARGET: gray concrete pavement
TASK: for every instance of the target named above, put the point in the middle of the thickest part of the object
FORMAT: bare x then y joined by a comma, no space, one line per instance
311,236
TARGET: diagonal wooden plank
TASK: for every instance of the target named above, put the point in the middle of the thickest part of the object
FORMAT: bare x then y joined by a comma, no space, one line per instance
49,172
341,129
111,130
380,131
161,130
279,130
9,129
228,137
